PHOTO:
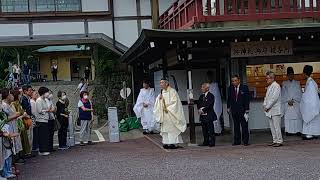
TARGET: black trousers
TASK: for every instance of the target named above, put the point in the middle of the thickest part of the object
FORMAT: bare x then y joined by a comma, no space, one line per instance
43,136
63,131
239,120
54,76
208,133
51,134
35,139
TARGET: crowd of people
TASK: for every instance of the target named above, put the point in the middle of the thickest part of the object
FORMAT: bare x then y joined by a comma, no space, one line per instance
300,110
29,119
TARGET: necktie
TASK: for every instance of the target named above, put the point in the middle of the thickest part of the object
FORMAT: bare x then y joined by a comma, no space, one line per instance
236,91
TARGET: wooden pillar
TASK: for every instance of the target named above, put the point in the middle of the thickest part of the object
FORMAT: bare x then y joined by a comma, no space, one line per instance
155,13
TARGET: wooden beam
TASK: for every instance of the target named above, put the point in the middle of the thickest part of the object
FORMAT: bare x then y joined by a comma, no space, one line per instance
155,13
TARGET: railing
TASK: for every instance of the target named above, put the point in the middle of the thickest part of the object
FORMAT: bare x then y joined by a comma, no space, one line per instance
185,13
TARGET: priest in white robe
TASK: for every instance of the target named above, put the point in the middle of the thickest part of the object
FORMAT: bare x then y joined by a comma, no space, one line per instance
291,97
168,111
214,89
310,106
144,108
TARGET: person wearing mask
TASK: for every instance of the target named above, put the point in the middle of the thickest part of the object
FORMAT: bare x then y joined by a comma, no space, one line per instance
85,116
42,119
54,71
51,122
238,106
272,108
7,99
63,118
34,129
17,108
26,106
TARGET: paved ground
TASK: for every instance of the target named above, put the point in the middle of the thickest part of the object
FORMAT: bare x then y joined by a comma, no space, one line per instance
141,159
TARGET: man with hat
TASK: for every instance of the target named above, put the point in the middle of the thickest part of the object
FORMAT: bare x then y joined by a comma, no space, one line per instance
168,111
291,97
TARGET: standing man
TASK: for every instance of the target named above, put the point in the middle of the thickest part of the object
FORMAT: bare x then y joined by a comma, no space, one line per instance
168,111
54,71
238,105
272,108
82,87
291,96
26,73
87,74
207,115
214,89
144,108
310,106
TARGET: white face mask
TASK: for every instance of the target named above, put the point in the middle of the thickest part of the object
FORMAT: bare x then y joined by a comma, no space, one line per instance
50,96
46,95
64,97
85,96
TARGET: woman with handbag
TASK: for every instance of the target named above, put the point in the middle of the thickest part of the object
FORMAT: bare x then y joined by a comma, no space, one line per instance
63,119
16,107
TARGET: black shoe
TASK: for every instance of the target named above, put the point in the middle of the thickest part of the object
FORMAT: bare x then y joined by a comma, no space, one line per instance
145,132
299,134
306,139
277,145
20,161
82,144
211,145
272,144
235,144
91,143
246,144
171,146
166,146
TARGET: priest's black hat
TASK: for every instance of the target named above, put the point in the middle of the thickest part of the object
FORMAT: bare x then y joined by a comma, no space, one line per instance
308,70
290,70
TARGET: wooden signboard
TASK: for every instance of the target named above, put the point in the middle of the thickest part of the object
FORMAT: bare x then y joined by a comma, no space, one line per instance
261,48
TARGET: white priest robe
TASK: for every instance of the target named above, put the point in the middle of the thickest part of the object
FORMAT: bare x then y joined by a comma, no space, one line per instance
214,89
291,90
310,109
146,96
173,122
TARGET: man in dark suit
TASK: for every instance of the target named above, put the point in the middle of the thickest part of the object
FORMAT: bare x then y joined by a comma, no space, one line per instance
238,107
207,115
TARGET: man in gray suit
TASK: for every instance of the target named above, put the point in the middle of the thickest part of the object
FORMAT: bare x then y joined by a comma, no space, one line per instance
272,108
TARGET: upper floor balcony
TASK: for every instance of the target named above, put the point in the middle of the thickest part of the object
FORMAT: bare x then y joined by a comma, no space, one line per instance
184,14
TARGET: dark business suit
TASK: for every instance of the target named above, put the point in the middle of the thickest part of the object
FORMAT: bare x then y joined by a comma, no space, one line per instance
206,102
238,103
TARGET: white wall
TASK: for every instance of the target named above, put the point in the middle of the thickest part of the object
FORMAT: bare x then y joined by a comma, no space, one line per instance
125,8
94,5
14,30
126,32
58,28
104,27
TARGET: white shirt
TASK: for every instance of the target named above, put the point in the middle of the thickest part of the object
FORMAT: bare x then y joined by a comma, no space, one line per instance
83,87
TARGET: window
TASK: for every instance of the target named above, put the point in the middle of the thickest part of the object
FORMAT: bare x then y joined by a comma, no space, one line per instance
12,6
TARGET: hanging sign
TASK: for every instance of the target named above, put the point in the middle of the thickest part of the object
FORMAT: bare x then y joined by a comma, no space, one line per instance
261,48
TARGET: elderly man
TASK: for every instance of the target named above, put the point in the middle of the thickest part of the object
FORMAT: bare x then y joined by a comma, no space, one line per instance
291,96
207,115
272,108
169,113
310,106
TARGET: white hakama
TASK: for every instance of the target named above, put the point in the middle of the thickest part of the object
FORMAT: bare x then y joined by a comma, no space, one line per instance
310,109
214,89
172,121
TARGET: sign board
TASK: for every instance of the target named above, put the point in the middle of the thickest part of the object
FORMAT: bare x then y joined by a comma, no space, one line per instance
261,48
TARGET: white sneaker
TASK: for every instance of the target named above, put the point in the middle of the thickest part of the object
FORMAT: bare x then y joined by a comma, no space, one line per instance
44,153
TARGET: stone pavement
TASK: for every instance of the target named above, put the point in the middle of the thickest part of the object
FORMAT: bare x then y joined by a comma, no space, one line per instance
140,159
